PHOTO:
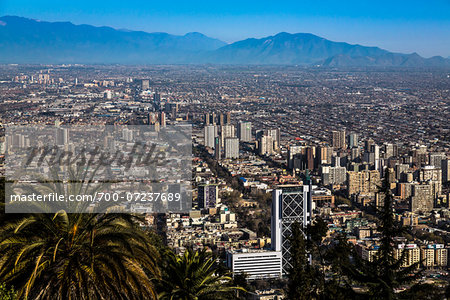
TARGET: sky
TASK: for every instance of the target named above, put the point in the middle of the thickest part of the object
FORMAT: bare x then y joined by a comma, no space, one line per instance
395,25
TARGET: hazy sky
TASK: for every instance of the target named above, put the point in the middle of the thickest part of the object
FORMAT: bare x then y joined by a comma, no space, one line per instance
395,25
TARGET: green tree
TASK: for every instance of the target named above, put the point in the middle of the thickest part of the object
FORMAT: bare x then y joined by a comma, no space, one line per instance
194,275
337,257
7,293
77,256
304,279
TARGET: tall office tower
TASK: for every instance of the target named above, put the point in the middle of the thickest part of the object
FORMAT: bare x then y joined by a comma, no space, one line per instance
353,140
336,161
228,117
420,156
217,148
226,131
432,176
208,196
309,158
390,150
210,134
368,145
338,141
157,101
265,145
436,159
221,120
355,154
292,152
245,131
145,84
421,198
324,155
364,182
445,165
276,137
375,149
231,147
290,204
62,136
207,119
163,119
399,170
157,98
213,118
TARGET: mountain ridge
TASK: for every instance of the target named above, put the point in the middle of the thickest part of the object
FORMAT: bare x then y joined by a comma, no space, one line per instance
25,40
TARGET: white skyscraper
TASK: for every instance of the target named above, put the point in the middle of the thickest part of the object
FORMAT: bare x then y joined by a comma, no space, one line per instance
290,204
245,131
210,134
226,131
265,144
231,147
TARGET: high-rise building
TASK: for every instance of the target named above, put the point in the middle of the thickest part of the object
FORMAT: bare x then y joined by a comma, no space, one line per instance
421,198
338,141
368,145
231,147
420,156
208,196
265,145
228,117
62,136
324,154
436,159
432,176
399,169
445,165
355,154
276,137
217,148
390,150
206,119
245,131
163,119
226,131
309,158
157,98
221,120
210,134
292,152
353,140
375,149
333,175
290,204
145,84
364,182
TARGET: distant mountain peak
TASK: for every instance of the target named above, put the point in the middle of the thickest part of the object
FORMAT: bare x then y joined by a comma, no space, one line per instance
26,40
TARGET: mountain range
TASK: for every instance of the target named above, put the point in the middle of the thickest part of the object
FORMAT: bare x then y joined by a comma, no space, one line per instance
32,41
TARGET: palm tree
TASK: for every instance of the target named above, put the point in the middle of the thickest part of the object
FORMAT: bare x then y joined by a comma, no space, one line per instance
195,275
77,256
